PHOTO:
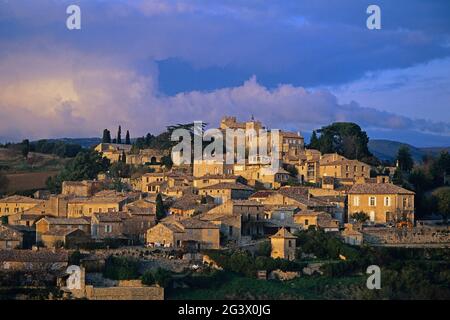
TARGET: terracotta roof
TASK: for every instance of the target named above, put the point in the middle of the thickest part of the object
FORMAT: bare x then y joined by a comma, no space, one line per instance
246,203
65,221
262,194
61,232
7,233
229,185
42,255
217,176
378,188
283,234
21,199
111,216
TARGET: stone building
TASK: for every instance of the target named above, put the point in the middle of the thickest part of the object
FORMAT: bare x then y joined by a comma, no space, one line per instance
85,188
16,204
222,192
382,202
58,226
10,238
178,233
283,245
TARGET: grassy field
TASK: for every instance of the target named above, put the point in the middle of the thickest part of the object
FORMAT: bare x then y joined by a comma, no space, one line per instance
238,287
31,173
28,181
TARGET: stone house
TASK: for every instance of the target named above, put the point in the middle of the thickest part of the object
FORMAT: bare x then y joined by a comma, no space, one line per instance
108,225
113,151
55,225
382,202
222,192
212,179
317,220
85,188
16,204
29,260
283,245
10,238
190,205
69,238
178,233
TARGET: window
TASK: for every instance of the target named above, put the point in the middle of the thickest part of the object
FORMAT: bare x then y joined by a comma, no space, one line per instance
108,228
372,201
356,201
405,202
290,243
387,201
306,222
209,232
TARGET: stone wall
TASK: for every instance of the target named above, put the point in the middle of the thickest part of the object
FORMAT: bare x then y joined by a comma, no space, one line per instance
125,293
418,235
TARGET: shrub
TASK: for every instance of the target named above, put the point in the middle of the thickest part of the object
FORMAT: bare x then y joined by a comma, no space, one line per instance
148,278
163,277
121,268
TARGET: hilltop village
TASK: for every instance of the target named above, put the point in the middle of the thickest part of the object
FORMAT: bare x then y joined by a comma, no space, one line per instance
208,205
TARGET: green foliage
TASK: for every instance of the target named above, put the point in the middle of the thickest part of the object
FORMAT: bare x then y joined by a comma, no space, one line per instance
360,217
264,249
243,263
59,148
106,136
121,268
163,277
4,182
25,148
119,169
442,197
127,138
345,138
4,220
404,158
314,141
148,279
119,135
85,166
160,210
323,245
75,258
398,177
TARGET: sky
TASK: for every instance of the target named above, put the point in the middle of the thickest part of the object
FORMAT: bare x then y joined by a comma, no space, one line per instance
295,65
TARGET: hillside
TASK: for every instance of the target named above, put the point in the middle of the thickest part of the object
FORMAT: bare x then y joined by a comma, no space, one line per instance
84,142
387,150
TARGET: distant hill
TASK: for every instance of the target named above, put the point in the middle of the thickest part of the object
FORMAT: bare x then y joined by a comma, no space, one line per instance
84,142
387,150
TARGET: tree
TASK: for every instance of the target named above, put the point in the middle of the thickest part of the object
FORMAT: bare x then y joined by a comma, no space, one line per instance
397,178
160,211
442,196
314,141
127,138
119,135
3,183
85,166
404,159
106,136
347,139
163,277
25,148
360,217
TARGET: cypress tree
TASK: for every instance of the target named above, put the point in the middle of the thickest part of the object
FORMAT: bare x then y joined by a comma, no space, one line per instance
127,138
119,135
